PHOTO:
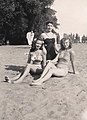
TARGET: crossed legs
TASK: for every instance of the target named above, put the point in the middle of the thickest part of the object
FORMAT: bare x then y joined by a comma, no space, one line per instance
50,70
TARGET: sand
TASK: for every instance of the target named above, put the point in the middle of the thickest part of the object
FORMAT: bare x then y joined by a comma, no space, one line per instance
57,99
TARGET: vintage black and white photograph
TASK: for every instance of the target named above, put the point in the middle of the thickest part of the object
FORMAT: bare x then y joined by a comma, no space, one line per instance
43,52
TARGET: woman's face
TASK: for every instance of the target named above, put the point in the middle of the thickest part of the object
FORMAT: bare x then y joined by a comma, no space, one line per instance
66,43
38,44
49,27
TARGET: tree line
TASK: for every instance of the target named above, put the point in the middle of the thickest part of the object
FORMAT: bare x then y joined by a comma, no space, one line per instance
17,17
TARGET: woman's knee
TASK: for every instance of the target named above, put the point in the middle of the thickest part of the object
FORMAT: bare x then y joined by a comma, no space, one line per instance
50,64
51,71
63,73
30,65
60,73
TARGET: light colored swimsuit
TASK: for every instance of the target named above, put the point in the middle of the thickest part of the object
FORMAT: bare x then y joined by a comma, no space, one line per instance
36,57
64,59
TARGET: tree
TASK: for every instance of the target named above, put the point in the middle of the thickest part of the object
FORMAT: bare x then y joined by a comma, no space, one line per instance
19,16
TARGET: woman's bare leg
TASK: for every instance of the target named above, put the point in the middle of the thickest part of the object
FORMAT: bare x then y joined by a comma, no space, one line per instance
47,68
45,78
14,78
25,73
57,72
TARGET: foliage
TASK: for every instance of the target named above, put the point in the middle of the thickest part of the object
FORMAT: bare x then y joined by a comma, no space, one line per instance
19,16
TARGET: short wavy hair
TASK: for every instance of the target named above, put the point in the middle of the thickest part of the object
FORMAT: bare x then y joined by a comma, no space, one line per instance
49,22
63,39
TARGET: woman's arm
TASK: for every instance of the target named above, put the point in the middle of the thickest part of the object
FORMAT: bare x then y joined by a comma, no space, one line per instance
43,47
72,58
56,46
55,59
44,53
43,59
44,50
29,59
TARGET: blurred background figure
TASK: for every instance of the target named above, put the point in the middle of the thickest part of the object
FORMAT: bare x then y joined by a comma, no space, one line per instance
30,37
65,35
84,39
77,38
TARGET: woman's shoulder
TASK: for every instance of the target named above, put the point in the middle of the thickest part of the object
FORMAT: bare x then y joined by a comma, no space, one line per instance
54,34
32,53
41,52
43,34
71,51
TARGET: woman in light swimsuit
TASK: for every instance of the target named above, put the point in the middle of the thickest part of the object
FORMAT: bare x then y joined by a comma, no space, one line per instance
60,65
50,41
36,62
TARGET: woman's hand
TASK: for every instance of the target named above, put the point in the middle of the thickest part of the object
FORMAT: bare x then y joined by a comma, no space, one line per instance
54,62
48,61
76,72
72,72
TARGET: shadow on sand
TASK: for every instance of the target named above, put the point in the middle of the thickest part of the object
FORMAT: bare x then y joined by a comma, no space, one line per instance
20,69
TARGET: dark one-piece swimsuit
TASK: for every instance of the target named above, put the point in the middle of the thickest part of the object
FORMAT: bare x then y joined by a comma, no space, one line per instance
49,45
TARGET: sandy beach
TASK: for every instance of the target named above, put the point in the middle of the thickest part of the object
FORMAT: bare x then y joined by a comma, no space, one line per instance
57,99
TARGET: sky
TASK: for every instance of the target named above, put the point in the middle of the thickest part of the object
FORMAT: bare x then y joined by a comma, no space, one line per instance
72,16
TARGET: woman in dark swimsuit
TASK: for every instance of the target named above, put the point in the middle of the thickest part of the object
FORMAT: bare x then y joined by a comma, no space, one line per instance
50,41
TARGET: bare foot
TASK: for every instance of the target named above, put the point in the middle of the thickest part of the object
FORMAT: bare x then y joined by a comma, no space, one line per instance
36,84
11,81
77,72
6,78
35,81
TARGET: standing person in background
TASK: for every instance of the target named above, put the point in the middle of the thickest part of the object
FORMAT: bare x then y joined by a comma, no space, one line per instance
30,37
30,40
50,41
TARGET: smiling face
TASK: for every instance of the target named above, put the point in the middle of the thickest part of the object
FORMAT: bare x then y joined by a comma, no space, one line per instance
49,27
66,43
38,44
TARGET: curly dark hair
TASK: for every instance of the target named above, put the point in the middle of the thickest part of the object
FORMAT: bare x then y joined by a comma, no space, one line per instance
70,43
